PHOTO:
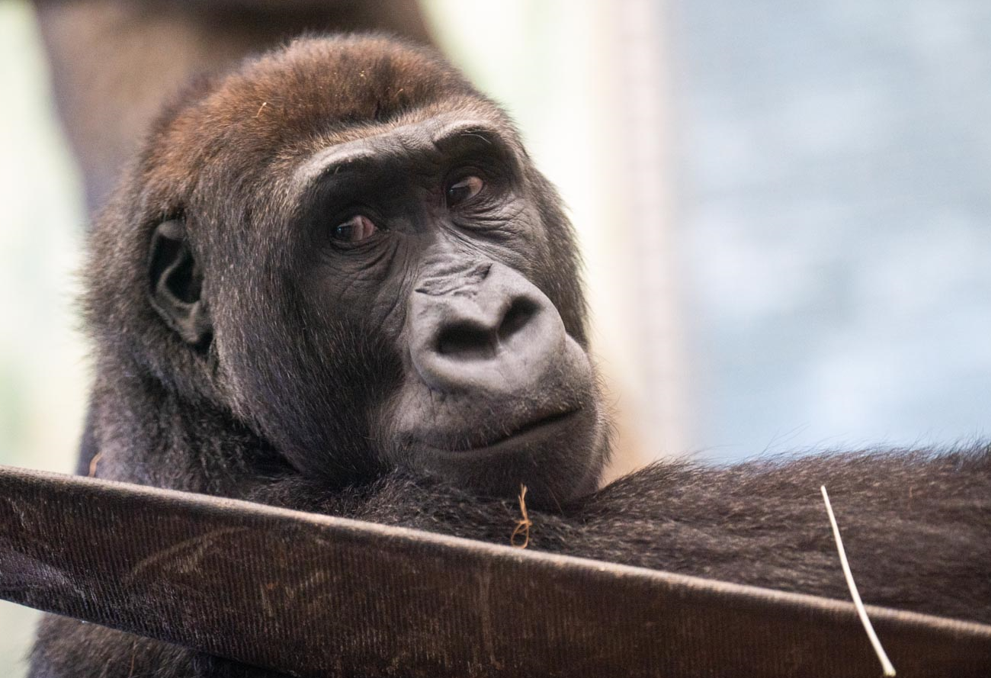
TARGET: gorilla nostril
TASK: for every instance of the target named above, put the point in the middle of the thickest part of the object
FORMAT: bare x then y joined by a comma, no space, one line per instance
466,341
471,340
519,314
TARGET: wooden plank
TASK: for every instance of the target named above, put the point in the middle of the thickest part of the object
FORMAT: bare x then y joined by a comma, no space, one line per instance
318,596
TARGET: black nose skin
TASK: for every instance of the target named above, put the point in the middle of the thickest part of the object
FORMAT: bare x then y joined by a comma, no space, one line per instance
484,329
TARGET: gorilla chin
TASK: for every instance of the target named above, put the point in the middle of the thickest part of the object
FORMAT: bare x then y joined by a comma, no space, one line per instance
573,444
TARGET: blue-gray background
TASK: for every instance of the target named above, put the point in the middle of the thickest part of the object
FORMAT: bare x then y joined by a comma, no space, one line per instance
835,183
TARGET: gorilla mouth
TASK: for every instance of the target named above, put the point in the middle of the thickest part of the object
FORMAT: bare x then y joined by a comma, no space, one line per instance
492,454
529,431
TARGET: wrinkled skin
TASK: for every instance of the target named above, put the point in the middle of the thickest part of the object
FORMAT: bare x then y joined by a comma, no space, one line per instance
334,282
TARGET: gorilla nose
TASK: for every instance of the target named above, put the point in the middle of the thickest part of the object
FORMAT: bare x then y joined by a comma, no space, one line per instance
482,337
487,328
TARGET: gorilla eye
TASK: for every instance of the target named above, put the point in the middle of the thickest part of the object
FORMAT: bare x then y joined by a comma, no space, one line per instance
464,189
355,229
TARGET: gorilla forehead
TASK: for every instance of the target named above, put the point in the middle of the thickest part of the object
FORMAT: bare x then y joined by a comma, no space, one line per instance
419,138
233,152
315,93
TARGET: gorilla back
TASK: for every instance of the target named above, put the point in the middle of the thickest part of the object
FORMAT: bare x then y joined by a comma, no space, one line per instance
334,281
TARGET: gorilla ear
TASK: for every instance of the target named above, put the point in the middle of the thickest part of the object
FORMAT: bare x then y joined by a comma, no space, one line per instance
177,283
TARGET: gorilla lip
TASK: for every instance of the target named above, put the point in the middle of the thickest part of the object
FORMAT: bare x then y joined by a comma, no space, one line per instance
525,433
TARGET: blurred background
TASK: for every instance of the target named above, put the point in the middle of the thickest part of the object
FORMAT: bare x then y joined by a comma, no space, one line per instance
784,205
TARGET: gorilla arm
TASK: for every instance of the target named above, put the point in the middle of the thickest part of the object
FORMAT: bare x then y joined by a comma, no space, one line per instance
916,525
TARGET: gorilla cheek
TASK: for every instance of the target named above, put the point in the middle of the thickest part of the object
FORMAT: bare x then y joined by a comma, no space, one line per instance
309,393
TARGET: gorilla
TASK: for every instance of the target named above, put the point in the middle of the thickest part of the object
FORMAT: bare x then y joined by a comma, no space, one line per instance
334,281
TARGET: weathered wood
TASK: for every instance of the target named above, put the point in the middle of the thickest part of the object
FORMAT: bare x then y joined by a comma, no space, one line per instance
318,596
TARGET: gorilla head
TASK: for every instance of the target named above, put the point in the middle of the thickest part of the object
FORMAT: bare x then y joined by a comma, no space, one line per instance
344,251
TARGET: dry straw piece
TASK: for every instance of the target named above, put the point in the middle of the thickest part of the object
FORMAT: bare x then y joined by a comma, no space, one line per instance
886,665
524,525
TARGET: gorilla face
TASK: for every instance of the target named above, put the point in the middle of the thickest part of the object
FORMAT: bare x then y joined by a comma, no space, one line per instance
358,259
